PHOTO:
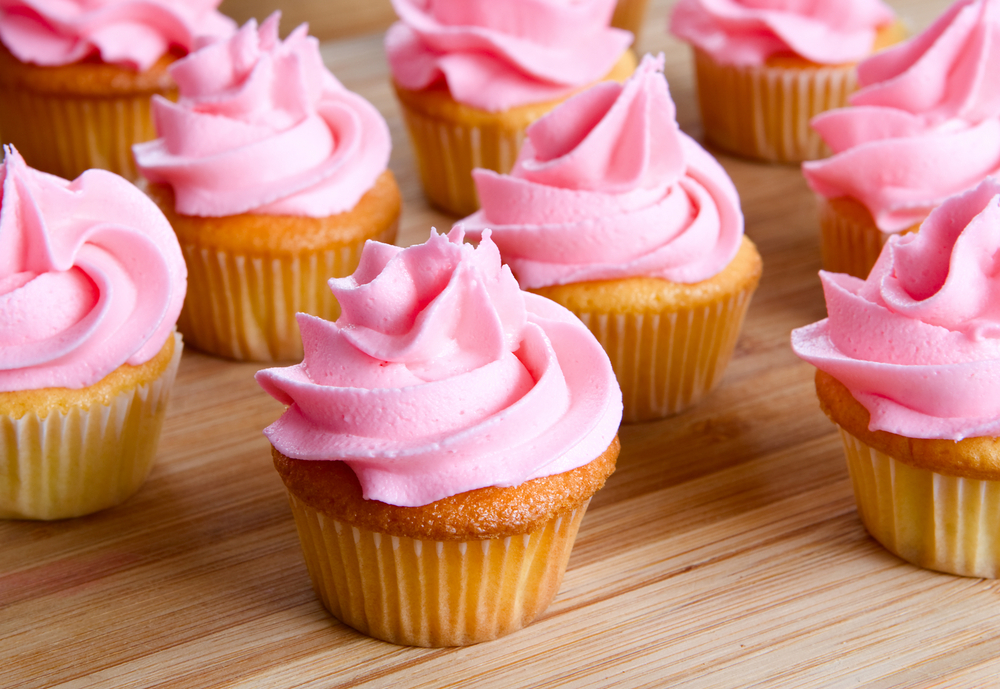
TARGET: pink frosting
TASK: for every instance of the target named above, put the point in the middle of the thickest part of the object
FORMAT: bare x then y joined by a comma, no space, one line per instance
498,55
925,126
606,186
262,126
91,277
441,376
747,32
130,33
918,342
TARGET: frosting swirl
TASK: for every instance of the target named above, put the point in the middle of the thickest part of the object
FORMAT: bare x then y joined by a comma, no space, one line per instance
130,33
441,376
263,126
918,342
606,186
925,126
747,32
91,277
496,56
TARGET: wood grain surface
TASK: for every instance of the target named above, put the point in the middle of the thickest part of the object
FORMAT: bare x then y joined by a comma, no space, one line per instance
726,551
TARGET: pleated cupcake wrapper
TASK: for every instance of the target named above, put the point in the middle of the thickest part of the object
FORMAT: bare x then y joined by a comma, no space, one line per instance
932,520
65,135
447,152
243,307
433,593
666,362
763,112
846,245
75,463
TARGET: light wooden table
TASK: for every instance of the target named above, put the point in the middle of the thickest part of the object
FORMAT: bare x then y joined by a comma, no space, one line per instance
725,551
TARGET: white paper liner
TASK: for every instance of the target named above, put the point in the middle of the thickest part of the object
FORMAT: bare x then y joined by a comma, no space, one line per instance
946,523
433,593
66,135
75,463
447,152
764,111
666,362
243,307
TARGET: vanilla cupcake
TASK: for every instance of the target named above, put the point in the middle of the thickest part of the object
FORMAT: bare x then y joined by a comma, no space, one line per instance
469,83
441,443
620,217
91,282
909,370
76,77
925,126
764,68
273,176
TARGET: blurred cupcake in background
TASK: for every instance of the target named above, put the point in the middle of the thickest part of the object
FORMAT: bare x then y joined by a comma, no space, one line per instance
617,215
909,370
91,283
471,76
925,126
764,68
76,77
273,176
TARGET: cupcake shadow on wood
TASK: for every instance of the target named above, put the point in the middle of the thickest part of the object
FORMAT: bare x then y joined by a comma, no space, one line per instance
273,176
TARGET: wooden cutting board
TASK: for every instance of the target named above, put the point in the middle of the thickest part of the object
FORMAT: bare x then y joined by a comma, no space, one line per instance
725,551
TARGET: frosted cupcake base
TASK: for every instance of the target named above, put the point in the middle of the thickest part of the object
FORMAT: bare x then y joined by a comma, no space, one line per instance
433,593
73,463
666,362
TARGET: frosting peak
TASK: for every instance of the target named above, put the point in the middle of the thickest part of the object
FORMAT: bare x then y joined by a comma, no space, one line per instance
606,186
441,376
925,125
91,277
262,126
131,33
495,56
747,32
918,342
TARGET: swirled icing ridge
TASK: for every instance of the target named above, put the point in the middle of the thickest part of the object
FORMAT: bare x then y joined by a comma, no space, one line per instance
925,125
496,56
918,342
131,33
262,126
91,277
606,186
747,32
441,376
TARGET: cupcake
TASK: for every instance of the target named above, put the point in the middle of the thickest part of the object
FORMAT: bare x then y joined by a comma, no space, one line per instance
909,369
76,77
273,176
925,126
91,282
620,217
764,68
441,444
470,82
